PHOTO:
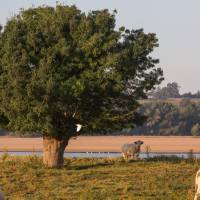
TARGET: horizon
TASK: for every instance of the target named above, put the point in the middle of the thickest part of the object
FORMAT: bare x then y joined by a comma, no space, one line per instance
175,24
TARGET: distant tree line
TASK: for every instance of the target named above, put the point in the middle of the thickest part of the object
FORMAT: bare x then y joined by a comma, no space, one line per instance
190,95
162,118
165,118
171,91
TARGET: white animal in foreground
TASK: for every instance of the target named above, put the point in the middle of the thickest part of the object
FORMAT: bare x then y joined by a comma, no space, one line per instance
132,150
197,185
1,196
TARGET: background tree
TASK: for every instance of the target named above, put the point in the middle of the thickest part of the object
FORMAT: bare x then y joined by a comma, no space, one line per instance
60,67
190,95
170,91
169,118
195,131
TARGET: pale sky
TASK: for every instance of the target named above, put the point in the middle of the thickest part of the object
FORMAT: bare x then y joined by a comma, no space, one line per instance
176,23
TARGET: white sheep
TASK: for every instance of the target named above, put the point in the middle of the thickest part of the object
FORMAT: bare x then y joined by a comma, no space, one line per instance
131,150
197,185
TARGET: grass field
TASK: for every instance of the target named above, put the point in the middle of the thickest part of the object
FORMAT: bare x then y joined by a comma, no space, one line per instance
24,178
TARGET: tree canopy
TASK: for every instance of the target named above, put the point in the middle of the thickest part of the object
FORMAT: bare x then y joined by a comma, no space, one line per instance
60,66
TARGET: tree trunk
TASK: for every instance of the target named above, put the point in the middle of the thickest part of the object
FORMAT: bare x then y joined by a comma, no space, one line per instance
53,152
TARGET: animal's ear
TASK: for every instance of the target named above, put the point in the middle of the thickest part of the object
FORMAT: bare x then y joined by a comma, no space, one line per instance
136,142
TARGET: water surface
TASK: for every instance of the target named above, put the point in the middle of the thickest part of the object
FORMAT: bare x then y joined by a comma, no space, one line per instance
101,154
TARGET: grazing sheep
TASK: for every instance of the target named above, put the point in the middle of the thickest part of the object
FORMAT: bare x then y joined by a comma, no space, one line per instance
197,185
131,150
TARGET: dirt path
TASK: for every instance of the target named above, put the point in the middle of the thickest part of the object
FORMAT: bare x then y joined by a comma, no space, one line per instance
107,143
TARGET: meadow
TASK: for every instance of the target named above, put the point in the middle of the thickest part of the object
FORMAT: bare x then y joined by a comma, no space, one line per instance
25,178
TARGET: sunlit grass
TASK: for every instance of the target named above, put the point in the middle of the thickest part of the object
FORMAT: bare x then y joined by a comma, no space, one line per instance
25,178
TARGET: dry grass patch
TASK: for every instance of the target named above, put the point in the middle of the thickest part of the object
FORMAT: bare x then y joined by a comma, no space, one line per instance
25,178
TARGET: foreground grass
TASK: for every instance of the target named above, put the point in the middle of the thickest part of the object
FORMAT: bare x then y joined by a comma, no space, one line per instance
24,178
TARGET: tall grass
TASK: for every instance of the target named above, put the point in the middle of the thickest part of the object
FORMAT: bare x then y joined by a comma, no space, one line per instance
25,178
147,150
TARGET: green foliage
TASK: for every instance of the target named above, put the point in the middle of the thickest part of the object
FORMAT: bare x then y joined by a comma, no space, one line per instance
60,66
195,131
170,119
25,178
3,120
170,91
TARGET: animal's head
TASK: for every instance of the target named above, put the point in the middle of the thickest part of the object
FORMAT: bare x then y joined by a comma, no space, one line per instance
139,142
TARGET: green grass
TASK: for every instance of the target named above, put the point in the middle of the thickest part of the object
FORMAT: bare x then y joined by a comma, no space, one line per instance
25,178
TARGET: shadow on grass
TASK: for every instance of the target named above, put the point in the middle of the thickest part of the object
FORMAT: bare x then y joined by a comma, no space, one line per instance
92,163
172,159
88,166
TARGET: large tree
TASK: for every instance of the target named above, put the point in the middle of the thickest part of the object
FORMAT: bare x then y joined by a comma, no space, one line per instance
60,67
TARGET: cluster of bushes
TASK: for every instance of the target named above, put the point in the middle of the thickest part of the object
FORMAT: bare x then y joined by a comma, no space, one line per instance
164,118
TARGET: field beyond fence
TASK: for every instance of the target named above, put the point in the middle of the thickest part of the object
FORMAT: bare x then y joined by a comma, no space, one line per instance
107,143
